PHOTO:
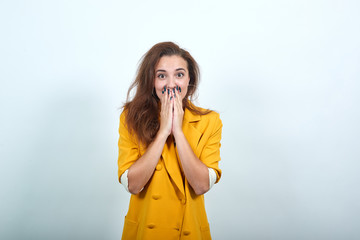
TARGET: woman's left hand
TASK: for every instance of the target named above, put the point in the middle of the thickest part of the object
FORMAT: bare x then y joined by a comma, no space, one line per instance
178,112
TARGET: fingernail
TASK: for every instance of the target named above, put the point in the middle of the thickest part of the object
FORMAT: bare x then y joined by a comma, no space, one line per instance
177,88
162,92
180,89
170,98
168,91
174,90
164,88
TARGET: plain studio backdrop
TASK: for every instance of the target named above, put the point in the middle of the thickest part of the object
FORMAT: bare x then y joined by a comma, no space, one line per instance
284,75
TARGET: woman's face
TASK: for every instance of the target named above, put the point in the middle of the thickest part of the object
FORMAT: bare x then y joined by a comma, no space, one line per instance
171,71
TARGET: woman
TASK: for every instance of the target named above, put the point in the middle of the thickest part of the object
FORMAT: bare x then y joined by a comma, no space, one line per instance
169,149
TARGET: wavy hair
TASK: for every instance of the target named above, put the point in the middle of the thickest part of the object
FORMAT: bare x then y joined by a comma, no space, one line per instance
142,111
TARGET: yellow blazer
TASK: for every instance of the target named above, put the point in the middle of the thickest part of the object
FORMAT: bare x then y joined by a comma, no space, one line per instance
167,208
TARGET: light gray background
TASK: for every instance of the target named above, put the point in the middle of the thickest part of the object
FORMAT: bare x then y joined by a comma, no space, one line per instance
284,75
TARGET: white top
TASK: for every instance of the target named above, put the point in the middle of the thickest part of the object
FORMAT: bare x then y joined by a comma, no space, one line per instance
125,182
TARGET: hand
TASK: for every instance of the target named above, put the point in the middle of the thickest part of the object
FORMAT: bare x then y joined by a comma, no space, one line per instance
178,112
166,112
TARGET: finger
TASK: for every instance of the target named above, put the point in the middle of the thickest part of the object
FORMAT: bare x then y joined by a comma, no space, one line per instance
167,104
171,109
171,94
168,95
177,91
169,99
162,97
179,99
178,105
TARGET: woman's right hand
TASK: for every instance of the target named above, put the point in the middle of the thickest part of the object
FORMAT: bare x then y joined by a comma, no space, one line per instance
166,113
143,168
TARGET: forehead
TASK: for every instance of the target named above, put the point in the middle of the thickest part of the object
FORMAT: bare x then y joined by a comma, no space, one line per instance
171,63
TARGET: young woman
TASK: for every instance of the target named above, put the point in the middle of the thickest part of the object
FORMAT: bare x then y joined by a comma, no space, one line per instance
169,149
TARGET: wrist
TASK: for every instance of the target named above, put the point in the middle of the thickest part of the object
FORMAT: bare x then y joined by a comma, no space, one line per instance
161,135
178,134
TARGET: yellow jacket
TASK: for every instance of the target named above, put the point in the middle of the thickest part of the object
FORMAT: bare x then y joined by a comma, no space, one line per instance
167,208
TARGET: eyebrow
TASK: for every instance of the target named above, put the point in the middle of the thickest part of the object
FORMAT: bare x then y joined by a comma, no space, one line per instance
178,69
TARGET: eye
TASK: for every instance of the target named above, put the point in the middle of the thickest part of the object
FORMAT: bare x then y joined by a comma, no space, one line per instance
162,76
179,75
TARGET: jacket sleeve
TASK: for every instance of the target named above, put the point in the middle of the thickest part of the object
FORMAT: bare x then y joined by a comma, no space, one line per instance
128,148
210,155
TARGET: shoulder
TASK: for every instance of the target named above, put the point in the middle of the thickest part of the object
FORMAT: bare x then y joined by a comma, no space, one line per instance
123,116
208,117
123,125
212,119
209,125
210,114
126,134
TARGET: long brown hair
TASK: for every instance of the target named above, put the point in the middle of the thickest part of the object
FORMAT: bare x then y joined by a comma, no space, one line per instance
142,112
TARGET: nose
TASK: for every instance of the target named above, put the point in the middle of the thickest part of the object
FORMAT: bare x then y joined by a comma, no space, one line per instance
171,82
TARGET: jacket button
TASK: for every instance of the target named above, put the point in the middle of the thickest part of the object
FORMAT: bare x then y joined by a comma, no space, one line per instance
158,167
186,233
156,196
151,225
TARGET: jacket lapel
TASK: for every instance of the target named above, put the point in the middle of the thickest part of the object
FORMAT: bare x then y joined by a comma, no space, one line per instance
172,165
